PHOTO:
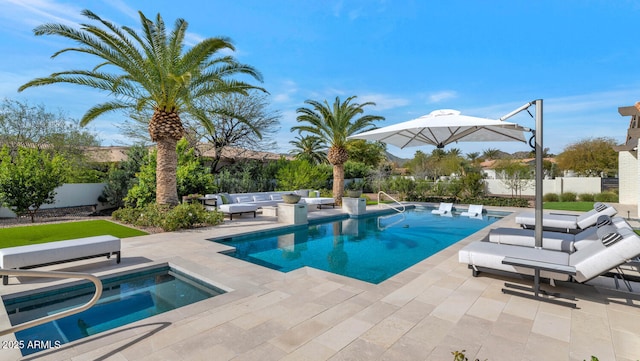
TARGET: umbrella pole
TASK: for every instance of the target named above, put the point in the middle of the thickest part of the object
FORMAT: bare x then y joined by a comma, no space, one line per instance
539,171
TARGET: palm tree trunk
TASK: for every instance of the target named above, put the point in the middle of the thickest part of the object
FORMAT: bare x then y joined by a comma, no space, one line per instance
338,183
167,164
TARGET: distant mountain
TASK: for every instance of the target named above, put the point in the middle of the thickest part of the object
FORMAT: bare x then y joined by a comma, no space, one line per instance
397,160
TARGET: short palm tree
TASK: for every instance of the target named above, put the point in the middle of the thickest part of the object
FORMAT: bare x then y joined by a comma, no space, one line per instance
334,124
310,148
150,70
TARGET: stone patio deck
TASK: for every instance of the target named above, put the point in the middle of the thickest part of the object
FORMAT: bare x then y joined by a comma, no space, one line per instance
424,313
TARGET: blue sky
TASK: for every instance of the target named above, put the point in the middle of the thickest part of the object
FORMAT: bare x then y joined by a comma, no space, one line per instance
484,58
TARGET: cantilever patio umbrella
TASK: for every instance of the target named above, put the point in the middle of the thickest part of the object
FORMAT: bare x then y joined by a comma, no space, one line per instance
445,126
442,127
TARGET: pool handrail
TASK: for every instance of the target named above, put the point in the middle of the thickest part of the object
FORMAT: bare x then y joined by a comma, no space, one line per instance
390,206
59,315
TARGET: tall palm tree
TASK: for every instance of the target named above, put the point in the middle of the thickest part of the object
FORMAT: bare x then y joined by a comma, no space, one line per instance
310,148
150,70
491,153
334,124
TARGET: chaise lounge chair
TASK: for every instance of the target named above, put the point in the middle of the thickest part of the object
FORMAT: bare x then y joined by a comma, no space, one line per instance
443,209
614,248
567,222
475,210
555,241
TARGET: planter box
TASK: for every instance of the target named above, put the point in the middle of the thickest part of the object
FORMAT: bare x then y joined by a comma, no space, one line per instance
292,213
355,206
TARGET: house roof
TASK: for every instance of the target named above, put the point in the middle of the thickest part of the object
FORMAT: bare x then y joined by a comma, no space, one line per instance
633,132
490,164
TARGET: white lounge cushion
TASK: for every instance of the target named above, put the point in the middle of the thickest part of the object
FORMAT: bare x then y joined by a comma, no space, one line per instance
36,254
238,208
319,200
557,241
596,258
589,262
566,221
526,237
561,221
590,218
490,255
276,197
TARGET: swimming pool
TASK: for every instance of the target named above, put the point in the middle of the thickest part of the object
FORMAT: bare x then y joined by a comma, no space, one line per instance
125,299
370,249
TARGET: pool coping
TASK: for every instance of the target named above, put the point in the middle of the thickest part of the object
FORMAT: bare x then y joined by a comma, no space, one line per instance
470,311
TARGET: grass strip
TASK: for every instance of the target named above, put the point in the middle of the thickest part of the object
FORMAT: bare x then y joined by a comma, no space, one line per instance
42,233
569,206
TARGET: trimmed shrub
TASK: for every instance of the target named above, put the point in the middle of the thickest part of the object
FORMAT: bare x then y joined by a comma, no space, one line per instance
587,197
182,216
606,197
550,197
568,197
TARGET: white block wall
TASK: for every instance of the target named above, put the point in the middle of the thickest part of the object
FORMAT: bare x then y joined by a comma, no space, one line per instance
628,175
70,195
561,185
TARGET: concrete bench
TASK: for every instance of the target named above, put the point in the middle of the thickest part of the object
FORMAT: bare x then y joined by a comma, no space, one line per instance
45,254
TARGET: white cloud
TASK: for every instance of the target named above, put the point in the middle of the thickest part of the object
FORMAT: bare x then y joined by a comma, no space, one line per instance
286,91
442,96
125,9
383,101
36,12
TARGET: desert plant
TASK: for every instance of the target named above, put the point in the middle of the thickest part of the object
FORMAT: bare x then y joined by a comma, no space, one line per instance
586,197
300,174
551,197
568,197
606,197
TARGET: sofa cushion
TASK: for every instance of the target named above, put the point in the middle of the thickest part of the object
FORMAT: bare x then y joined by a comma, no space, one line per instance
276,197
244,199
260,197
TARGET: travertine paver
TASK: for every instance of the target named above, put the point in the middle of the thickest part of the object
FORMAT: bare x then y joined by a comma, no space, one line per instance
424,313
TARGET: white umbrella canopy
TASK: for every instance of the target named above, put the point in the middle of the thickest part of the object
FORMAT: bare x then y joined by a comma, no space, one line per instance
445,126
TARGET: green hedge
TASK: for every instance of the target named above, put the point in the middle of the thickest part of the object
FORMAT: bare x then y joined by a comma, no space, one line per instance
487,201
585,197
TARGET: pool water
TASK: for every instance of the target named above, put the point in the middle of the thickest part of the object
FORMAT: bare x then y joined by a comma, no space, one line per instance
370,249
125,299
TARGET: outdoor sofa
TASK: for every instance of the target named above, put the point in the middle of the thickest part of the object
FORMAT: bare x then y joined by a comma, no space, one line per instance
239,203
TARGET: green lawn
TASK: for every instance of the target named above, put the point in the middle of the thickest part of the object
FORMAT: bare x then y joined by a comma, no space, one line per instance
42,233
569,206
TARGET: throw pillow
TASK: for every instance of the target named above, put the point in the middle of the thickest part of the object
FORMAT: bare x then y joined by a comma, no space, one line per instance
611,238
224,199
599,207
